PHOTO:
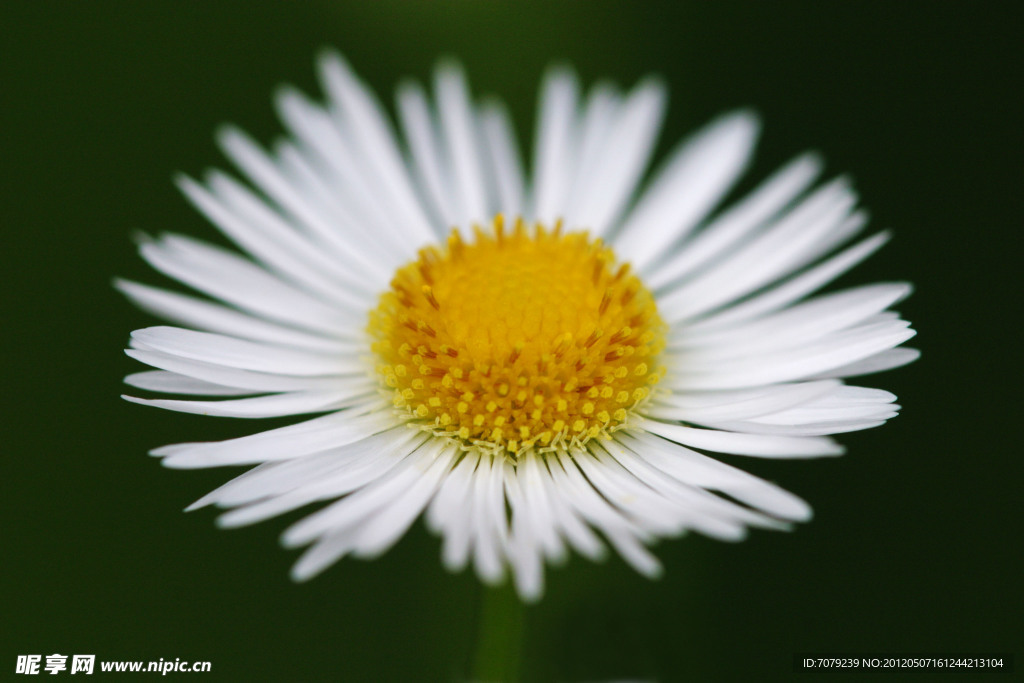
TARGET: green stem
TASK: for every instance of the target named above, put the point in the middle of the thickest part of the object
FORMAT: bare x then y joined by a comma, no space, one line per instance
500,628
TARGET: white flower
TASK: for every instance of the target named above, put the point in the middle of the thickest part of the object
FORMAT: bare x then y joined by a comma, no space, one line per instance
514,381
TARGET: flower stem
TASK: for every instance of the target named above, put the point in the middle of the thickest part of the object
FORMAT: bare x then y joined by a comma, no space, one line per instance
500,628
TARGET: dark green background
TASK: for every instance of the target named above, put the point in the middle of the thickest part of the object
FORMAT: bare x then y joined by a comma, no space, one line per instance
916,541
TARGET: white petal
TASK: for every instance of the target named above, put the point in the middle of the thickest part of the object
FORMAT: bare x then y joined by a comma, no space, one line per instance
424,147
619,526
271,179
687,187
816,407
278,486
505,166
462,139
742,444
565,517
251,382
453,497
447,513
599,111
266,237
348,218
796,288
738,221
385,528
245,355
277,405
331,197
696,508
536,509
490,523
555,145
622,489
173,383
361,115
615,175
773,254
841,409
689,506
321,556
814,413
284,443
407,477
211,317
736,404
886,360
636,555
589,503
638,503
795,326
700,470
845,395
524,551
226,276
623,532
836,350
487,559
816,429
357,268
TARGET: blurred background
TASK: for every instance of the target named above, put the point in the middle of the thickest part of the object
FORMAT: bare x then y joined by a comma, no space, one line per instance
912,547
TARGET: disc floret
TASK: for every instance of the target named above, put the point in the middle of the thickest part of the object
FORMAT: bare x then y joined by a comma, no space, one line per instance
529,338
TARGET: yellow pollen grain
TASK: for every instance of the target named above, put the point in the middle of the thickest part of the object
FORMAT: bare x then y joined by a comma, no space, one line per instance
518,337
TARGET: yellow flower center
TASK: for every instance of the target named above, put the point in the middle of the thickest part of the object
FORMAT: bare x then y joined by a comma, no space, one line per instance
528,339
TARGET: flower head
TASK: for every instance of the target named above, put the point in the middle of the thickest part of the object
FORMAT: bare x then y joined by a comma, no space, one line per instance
537,365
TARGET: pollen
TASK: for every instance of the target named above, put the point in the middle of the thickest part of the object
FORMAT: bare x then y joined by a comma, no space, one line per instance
517,339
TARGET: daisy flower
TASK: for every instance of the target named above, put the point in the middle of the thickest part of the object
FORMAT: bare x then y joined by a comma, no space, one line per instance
536,362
